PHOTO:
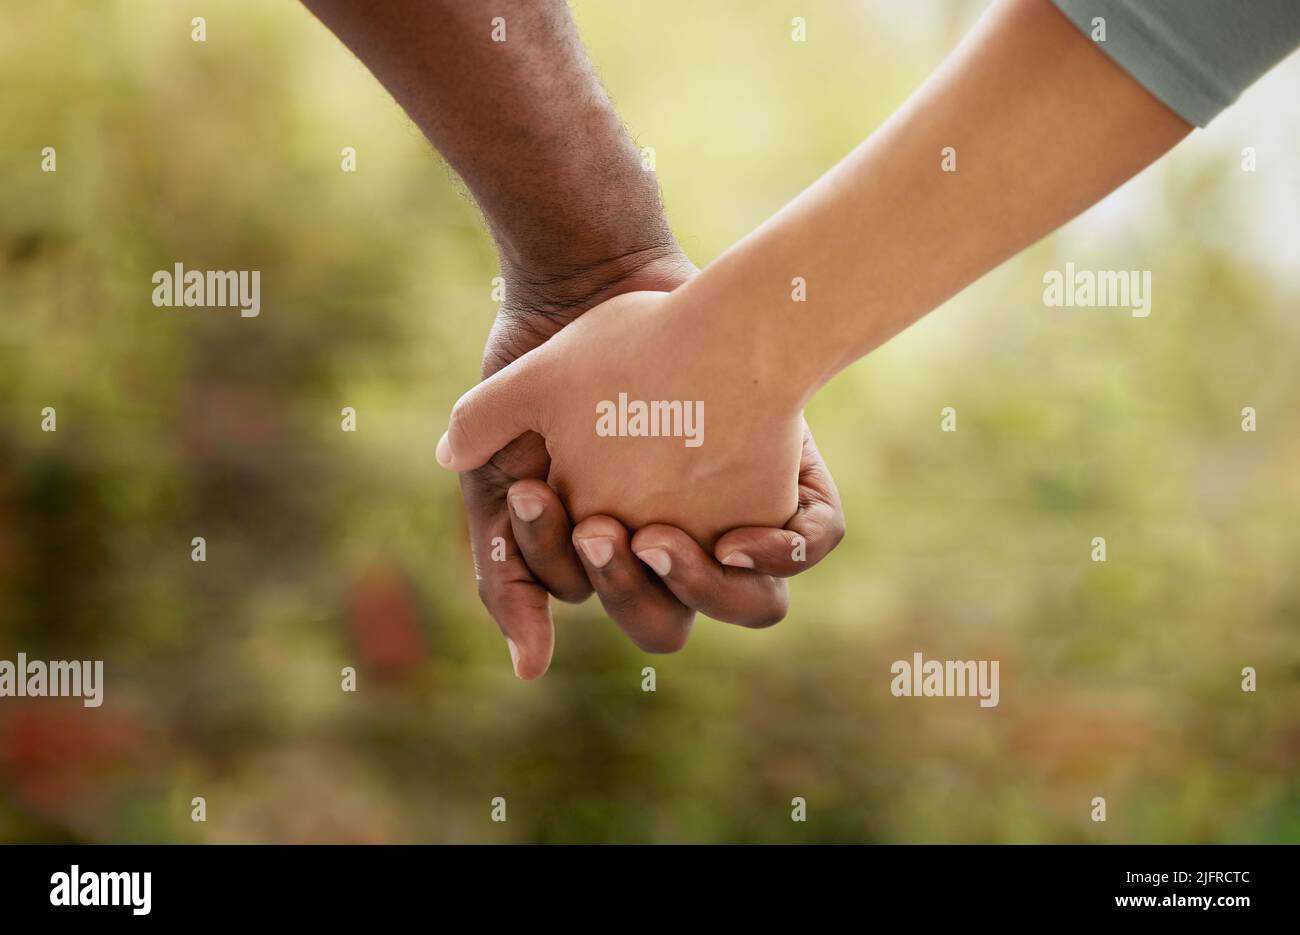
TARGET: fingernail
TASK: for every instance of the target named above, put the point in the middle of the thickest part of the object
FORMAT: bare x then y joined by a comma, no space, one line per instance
443,451
657,559
738,560
514,655
525,507
598,549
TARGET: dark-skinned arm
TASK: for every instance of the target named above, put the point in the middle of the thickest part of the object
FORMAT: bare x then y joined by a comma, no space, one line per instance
576,221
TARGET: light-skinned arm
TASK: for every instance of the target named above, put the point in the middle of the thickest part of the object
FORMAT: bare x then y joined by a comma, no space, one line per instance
1044,124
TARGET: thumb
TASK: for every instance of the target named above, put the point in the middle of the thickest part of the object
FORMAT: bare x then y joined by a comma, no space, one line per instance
488,418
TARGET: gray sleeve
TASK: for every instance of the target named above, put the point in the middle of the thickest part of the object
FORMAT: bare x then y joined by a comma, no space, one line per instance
1196,56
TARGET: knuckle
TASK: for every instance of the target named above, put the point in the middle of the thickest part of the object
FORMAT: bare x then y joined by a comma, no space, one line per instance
488,596
663,640
456,431
574,592
835,530
770,615
620,603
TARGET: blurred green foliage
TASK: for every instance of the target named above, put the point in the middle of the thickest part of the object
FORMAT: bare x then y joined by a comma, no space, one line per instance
328,549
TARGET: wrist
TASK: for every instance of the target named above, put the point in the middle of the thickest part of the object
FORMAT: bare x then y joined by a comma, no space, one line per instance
539,300
572,287
740,363
756,346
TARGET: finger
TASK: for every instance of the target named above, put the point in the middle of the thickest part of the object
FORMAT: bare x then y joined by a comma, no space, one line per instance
490,416
542,530
813,533
732,595
507,589
630,593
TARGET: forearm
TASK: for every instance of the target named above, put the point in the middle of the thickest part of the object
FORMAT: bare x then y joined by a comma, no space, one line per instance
1043,125
524,122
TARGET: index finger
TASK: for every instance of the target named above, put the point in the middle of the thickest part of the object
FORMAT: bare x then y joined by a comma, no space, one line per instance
514,598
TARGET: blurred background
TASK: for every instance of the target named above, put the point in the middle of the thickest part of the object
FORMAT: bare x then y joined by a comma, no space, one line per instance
328,549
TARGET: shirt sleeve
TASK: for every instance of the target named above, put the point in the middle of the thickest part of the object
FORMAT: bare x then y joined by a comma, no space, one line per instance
1196,56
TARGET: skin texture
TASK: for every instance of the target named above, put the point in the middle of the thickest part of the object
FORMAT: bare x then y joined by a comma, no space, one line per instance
527,126
743,473
1033,150
881,239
